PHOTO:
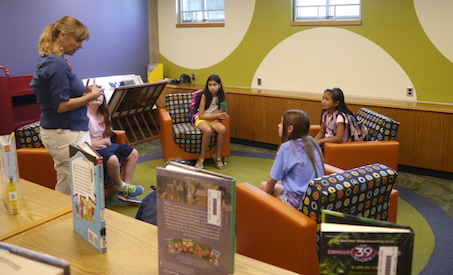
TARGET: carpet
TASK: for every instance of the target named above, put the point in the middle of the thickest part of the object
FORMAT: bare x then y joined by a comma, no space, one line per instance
430,224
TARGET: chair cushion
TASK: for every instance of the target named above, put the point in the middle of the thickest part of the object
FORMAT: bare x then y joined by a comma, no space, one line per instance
379,126
178,107
188,137
28,135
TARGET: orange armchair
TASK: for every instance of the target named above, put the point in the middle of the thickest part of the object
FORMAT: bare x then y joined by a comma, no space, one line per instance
273,232
36,164
381,146
185,144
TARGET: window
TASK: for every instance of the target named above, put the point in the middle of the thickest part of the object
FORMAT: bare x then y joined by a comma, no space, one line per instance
201,12
327,12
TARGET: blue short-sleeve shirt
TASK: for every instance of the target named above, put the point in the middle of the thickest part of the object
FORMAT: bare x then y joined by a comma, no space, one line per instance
293,167
53,82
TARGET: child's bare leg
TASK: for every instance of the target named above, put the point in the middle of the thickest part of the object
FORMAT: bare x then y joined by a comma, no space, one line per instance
113,170
263,185
129,166
221,131
207,132
278,188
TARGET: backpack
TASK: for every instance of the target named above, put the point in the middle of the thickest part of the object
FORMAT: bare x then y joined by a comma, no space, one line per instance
192,106
147,210
357,130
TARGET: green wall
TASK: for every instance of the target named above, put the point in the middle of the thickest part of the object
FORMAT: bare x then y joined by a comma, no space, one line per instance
393,25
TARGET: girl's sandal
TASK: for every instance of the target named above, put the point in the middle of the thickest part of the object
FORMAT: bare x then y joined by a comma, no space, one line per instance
218,162
199,163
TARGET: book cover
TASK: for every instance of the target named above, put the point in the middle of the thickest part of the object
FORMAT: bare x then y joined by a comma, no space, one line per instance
88,202
19,260
196,219
9,173
357,245
109,83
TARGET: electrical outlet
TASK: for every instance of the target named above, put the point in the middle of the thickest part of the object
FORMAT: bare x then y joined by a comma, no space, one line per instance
193,76
259,81
409,91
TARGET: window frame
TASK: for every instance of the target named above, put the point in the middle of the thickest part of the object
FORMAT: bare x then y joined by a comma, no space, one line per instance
325,22
192,24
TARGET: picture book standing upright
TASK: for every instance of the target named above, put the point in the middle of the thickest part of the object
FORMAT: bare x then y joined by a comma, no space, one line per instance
9,173
87,189
196,218
357,245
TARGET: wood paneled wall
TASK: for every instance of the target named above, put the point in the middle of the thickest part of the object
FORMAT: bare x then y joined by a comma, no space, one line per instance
425,133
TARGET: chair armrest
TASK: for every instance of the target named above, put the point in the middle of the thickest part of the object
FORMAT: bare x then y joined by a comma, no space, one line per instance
36,165
314,129
120,136
393,206
349,155
166,131
271,231
226,149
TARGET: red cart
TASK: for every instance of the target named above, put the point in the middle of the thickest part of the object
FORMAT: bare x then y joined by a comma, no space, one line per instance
18,105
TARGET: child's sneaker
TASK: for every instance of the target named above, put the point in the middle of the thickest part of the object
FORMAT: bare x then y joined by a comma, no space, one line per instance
134,200
131,190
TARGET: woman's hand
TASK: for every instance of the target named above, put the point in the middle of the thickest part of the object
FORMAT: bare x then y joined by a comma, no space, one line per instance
77,102
87,87
94,91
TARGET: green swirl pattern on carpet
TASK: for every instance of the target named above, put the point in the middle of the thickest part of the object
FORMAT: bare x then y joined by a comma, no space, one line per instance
255,170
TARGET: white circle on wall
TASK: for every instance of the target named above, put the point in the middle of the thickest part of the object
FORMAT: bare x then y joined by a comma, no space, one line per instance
435,18
327,57
198,41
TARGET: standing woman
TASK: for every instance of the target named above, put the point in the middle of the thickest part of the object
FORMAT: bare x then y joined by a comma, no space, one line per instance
61,94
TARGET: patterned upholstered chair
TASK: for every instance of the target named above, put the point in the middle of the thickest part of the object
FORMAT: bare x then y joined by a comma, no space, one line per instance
363,192
28,135
179,138
380,146
271,231
36,164
379,127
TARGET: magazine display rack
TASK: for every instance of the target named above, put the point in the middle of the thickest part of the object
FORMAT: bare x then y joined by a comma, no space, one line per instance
131,109
19,106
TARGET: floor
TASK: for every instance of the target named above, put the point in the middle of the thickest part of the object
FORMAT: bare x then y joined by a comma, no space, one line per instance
437,190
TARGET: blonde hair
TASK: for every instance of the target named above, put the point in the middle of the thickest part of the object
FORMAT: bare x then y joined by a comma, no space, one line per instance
67,24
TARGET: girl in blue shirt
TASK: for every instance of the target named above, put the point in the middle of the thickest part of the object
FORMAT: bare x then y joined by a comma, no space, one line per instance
298,160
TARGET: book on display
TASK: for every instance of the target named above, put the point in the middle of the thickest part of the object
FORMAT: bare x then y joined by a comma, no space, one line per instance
196,219
357,245
9,173
87,189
